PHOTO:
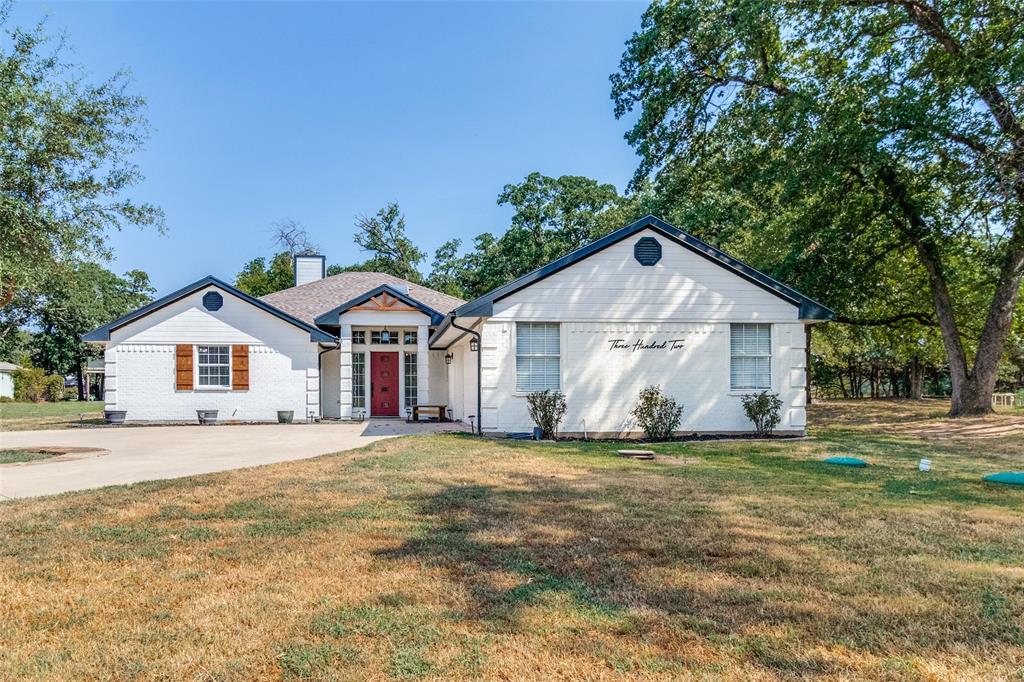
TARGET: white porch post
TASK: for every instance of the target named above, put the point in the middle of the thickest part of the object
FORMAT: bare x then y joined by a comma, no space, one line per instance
345,372
422,364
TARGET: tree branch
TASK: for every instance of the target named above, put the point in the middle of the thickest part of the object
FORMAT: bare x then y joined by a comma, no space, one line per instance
922,318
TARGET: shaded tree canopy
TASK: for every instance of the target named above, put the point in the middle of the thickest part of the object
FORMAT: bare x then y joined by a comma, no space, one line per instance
258,278
867,151
391,251
552,216
74,304
65,163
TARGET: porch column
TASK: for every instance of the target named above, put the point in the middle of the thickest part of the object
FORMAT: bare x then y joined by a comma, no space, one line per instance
345,371
422,364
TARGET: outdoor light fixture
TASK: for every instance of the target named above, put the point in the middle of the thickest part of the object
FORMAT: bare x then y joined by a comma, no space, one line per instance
448,359
385,336
474,345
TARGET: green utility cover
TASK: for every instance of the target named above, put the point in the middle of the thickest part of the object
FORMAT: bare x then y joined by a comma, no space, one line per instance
1007,477
847,461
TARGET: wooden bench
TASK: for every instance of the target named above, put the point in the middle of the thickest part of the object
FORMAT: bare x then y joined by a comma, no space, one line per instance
438,411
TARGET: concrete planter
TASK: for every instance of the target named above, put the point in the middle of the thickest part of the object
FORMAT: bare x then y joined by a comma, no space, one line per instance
285,416
115,417
207,416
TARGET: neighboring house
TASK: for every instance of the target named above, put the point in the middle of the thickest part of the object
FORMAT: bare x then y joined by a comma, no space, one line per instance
7,370
647,304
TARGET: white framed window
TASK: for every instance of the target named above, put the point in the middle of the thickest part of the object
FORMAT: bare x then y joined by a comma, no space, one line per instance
409,338
382,336
750,350
538,361
359,337
359,380
409,369
213,365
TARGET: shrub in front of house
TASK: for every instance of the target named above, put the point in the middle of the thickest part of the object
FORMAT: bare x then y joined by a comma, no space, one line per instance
31,384
547,409
763,409
657,413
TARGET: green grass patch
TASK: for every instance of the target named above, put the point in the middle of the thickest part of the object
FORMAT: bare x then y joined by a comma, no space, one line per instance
17,456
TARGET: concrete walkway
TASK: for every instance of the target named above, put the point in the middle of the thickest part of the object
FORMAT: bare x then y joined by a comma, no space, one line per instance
133,454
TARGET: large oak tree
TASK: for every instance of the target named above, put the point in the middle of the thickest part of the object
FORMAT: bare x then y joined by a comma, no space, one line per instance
66,146
863,135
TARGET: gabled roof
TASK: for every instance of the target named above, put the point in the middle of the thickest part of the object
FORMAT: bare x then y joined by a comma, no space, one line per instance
310,301
809,309
103,333
331,316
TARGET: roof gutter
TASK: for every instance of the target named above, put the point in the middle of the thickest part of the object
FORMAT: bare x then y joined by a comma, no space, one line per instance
479,374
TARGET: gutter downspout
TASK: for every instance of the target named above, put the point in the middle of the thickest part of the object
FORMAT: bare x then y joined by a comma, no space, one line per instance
479,374
320,373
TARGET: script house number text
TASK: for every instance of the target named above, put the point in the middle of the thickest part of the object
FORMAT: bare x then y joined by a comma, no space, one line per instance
639,344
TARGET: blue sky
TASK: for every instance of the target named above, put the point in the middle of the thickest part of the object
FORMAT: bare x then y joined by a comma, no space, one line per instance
318,112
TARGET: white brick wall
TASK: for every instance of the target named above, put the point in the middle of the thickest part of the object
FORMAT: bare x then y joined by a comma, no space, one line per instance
140,364
609,295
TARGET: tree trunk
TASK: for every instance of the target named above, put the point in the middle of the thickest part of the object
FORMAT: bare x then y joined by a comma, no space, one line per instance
916,388
976,395
81,380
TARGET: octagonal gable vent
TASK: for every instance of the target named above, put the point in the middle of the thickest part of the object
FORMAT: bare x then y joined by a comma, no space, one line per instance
647,251
213,301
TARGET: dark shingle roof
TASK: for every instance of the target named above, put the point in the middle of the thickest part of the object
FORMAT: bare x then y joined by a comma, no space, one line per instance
309,301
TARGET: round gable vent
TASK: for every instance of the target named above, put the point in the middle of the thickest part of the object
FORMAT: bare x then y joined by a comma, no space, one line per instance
213,301
647,251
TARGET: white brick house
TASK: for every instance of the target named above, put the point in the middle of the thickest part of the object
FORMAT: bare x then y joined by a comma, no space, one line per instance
647,304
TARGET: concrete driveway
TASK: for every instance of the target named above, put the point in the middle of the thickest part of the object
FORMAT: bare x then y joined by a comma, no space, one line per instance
157,452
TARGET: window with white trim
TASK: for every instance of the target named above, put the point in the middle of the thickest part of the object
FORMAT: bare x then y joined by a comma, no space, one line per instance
384,336
359,337
409,338
409,366
214,366
359,380
538,362
750,350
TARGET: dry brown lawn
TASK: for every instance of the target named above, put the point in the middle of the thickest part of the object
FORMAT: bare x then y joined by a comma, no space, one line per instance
448,557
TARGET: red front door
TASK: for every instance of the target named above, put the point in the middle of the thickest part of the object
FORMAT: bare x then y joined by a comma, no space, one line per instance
384,384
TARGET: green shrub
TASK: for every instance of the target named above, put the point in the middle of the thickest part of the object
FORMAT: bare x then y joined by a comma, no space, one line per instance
31,384
658,414
28,384
763,409
53,388
1018,399
6,399
547,409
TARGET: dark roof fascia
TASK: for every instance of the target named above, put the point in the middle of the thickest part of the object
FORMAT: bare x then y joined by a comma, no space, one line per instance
442,328
439,332
295,265
103,333
809,309
330,318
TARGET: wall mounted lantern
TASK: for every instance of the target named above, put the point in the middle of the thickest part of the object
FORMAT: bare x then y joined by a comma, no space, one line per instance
385,336
474,345
448,359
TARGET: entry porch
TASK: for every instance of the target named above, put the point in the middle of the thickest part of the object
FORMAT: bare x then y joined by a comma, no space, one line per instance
381,371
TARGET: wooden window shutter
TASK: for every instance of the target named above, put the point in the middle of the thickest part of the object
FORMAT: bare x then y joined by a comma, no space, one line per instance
240,368
183,367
